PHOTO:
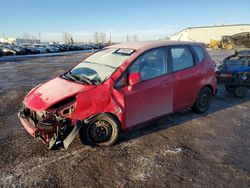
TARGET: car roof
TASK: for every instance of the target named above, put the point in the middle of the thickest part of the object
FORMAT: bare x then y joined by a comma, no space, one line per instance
146,45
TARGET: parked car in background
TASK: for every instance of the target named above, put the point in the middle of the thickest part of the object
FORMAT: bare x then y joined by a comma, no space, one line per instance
7,50
24,49
118,88
1,52
30,49
41,48
19,50
54,48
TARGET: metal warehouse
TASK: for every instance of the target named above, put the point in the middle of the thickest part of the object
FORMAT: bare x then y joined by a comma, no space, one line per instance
206,33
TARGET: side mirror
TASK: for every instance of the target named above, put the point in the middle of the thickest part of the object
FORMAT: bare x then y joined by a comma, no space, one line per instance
134,78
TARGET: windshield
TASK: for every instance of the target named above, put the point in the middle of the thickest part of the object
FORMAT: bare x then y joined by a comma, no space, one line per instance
100,66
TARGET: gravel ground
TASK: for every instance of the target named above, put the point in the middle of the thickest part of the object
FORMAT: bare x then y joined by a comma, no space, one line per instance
180,150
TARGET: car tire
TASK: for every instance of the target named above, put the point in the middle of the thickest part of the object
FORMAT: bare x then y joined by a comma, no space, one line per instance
203,100
230,88
240,92
102,130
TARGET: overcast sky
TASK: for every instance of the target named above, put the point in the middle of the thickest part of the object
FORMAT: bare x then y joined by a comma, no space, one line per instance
149,19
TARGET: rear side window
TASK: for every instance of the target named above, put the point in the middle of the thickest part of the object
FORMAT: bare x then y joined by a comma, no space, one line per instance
200,53
182,58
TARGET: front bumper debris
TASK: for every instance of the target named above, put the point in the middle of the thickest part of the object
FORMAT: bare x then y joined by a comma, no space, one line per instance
56,132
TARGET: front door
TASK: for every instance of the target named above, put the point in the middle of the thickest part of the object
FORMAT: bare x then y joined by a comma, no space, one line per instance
153,95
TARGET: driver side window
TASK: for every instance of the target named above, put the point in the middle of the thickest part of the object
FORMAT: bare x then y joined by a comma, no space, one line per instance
150,65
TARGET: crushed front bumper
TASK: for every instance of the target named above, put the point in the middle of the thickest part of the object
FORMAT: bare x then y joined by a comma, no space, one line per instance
51,134
45,134
33,131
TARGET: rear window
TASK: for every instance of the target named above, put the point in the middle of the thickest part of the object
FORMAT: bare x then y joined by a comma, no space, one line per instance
200,53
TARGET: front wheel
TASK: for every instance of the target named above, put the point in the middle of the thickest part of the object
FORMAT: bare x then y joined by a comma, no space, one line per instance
102,130
203,101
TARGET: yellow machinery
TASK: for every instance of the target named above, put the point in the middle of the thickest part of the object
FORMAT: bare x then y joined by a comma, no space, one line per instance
214,44
224,43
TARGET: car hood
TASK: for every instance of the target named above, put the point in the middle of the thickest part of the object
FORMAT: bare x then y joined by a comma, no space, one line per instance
240,41
45,95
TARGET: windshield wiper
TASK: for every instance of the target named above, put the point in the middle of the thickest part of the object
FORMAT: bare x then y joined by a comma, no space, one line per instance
71,78
81,78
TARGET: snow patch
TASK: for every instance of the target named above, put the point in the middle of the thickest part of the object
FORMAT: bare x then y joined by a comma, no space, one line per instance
174,151
241,107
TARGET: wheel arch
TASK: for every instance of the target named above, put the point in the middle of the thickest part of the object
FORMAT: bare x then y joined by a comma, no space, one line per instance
210,87
87,120
86,139
200,108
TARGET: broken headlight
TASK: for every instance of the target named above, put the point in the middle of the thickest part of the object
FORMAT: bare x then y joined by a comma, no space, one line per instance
68,110
65,107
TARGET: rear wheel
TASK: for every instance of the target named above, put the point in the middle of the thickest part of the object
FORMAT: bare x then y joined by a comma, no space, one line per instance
203,101
240,91
102,130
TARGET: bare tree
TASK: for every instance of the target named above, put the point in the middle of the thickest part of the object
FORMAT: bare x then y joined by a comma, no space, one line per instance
26,35
67,38
102,37
96,37
110,41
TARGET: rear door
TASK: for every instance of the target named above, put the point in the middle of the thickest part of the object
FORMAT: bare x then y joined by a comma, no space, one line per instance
153,96
186,82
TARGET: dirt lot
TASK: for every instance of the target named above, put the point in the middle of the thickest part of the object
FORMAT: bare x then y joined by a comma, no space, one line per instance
181,150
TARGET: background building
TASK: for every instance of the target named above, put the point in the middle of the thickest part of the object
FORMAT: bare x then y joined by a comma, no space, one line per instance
206,33
8,40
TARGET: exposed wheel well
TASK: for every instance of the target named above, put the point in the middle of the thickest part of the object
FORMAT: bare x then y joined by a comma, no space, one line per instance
210,87
114,116
103,113
110,136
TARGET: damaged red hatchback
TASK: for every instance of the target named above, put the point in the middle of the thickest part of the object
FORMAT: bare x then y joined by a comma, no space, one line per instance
117,88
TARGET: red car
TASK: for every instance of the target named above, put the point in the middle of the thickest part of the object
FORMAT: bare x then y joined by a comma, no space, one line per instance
118,88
